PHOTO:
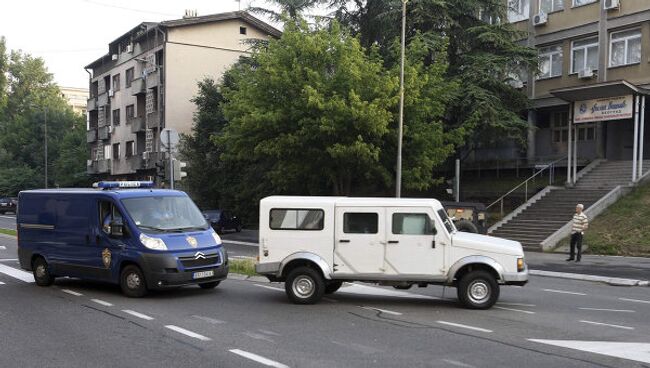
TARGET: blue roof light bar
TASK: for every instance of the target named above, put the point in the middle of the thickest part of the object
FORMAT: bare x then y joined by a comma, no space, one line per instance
123,184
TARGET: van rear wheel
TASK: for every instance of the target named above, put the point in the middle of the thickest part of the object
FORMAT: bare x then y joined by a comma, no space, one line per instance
304,285
132,282
41,271
478,290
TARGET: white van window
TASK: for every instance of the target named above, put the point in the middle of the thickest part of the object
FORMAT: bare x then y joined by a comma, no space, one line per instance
296,219
412,224
446,221
360,223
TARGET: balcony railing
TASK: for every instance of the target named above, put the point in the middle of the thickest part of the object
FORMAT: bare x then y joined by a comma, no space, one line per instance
153,79
103,133
102,100
91,135
135,162
137,124
92,104
153,120
99,167
138,87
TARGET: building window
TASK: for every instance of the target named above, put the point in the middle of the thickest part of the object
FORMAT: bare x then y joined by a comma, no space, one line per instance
550,62
116,82
116,117
584,55
583,2
586,132
107,152
625,48
116,151
548,6
489,18
130,112
129,77
242,30
130,148
518,10
560,126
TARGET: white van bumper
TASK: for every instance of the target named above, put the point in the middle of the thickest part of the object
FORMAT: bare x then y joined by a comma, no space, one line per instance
515,278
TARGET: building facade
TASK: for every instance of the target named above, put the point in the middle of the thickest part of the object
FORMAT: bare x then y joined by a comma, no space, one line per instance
76,97
147,80
594,58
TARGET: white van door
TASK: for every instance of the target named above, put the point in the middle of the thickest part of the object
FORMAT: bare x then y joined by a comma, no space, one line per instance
414,247
359,241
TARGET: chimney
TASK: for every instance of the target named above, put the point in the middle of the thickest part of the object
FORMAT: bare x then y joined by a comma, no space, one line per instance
190,13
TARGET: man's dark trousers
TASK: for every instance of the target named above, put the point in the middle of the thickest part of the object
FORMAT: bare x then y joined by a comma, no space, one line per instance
576,240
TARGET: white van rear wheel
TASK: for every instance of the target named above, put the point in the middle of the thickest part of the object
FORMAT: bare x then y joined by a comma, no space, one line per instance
304,285
478,290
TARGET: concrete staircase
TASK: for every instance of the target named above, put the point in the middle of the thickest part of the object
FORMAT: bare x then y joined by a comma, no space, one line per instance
549,213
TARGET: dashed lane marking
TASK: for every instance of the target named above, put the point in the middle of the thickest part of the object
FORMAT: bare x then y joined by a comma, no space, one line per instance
258,358
564,292
382,310
479,329
608,325
2,283
188,333
17,274
514,310
137,314
2,247
608,310
67,291
102,302
209,320
635,300
457,363
516,304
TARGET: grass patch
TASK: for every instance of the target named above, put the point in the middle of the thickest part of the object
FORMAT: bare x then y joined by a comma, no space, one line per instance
242,266
8,232
623,229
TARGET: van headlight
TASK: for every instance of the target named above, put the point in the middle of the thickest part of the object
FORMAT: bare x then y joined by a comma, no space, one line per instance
153,243
216,237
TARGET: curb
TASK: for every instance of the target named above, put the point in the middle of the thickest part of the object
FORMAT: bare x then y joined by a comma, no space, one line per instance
614,281
242,277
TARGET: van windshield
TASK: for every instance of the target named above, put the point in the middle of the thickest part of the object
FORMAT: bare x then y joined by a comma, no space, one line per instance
446,221
165,214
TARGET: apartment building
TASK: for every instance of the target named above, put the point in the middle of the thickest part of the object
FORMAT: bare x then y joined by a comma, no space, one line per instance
146,81
77,98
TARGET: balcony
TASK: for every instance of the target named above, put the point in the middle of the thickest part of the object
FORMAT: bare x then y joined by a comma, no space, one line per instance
153,120
92,104
99,167
153,79
137,124
138,87
102,100
104,133
91,135
135,162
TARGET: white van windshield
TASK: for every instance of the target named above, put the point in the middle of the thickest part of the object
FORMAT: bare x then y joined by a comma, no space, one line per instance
449,225
165,213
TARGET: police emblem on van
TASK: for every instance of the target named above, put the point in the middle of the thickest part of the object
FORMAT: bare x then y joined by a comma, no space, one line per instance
106,258
192,241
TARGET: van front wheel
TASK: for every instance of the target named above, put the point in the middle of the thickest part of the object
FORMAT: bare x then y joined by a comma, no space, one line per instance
304,285
478,290
132,282
41,271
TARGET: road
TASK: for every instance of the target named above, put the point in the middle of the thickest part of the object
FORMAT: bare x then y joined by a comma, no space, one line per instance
548,323
8,221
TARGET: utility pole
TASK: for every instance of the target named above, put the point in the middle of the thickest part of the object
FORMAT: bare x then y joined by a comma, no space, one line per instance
45,139
171,160
398,178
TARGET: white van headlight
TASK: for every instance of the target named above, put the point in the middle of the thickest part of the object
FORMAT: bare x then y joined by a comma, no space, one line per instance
216,237
153,243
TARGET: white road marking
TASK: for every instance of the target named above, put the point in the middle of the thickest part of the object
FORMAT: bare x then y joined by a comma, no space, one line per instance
635,300
210,320
17,274
267,332
187,333
639,352
514,310
268,287
382,311
8,259
516,304
102,302
258,358
2,283
457,363
357,347
465,326
376,291
240,242
609,310
71,292
2,247
564,292
137,314
258,336
608,325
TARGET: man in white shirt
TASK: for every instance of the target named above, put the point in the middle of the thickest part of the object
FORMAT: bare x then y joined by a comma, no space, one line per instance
580,224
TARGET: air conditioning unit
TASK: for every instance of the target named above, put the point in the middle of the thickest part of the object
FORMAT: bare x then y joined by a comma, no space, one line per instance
586,73
145,155
129,48
611,4
540,19
114,57
111,93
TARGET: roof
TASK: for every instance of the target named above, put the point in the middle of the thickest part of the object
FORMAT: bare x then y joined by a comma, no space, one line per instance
598,90
121,193
309,201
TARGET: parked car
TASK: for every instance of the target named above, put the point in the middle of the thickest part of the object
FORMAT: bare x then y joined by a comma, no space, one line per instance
8,205
221,220
469,217
314,244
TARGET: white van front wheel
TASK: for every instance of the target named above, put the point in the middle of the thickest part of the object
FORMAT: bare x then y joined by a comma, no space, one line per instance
478,290
304,285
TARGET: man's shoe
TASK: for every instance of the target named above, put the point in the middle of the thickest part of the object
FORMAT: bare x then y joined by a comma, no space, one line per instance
569,259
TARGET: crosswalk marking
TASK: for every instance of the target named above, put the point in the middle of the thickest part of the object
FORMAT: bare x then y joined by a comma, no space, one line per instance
639,352
16,273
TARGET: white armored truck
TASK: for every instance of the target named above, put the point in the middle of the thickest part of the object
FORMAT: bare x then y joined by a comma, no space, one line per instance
314,244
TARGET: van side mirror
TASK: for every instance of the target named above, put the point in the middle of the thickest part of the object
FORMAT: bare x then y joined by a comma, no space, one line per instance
117,228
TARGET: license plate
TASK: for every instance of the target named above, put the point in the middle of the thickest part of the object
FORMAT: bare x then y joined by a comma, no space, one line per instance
203,274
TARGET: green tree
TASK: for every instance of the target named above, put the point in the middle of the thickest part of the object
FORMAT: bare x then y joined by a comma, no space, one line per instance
294,9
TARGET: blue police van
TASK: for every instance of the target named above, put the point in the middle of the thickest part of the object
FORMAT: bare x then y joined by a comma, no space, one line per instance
120,232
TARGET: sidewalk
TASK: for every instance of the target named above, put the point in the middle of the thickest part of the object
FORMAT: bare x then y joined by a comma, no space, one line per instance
634,268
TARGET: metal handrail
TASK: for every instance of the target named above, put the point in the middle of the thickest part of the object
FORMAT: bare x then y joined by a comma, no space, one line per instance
550,167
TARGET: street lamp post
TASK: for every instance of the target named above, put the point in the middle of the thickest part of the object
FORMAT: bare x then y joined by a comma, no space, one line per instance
398,178
45,139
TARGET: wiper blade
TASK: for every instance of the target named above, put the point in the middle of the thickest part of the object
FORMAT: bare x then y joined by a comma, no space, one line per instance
151,228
